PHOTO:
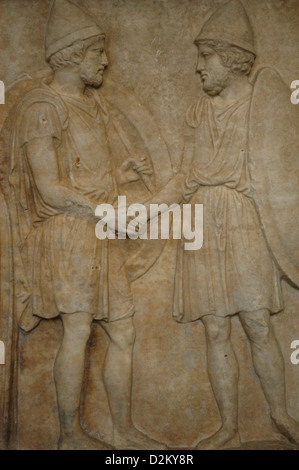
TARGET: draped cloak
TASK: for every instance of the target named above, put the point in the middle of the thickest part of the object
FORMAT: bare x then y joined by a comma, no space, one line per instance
234,270
68,268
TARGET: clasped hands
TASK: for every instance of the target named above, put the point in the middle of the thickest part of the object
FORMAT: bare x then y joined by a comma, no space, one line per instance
133,169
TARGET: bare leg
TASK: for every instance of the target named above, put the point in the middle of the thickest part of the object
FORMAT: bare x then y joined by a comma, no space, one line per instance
224,374
269,366
118,383
68,374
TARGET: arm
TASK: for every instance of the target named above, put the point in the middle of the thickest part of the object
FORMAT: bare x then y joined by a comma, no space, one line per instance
172,193
43,162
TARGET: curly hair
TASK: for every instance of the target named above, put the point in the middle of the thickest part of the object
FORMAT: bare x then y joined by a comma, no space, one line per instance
64,58
237,59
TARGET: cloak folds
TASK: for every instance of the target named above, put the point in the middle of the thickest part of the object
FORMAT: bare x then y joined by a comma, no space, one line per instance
14,284
274,168
7,327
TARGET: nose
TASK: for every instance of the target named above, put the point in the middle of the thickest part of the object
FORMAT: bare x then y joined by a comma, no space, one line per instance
104,60
200,64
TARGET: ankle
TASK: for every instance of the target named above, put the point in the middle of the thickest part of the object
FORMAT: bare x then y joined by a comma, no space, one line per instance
279,416
71,433
124,428
230,428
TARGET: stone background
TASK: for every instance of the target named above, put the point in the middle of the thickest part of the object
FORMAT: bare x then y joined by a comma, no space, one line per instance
151,52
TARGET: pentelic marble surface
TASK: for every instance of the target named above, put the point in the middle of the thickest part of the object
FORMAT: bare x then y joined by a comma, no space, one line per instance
115,339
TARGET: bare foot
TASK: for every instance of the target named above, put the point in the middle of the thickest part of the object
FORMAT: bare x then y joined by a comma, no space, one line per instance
132,439
81,441
223,438
288,427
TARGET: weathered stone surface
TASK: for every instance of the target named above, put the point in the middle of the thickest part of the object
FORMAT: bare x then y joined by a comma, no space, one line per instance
75,142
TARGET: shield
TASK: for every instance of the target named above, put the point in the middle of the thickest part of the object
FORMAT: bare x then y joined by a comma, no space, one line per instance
133,133
274,168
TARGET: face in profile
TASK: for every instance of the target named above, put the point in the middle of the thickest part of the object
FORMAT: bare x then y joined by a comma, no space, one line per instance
213,73
94,63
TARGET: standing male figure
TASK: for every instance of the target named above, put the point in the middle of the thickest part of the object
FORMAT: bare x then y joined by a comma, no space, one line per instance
61,170
236,272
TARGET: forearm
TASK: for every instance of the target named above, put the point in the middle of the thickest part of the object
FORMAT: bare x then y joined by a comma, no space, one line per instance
119,176
70,201
172,193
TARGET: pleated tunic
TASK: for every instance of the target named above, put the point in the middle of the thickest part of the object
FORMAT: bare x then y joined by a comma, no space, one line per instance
234,270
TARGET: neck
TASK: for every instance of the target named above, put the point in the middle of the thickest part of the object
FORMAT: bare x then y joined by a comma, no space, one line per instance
238,87
67,82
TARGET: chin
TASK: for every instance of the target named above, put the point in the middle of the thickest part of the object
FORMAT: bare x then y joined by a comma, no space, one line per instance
212,90
94,82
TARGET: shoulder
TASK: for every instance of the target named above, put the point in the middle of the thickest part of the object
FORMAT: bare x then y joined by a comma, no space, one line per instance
43,104
41,113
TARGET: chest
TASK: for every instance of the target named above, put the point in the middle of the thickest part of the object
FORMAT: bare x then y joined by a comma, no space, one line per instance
87,139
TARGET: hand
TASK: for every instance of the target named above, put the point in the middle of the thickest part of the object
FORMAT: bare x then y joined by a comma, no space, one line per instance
132,169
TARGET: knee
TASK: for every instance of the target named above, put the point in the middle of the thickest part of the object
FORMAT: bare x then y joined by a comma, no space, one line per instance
77,331
83,333
123,336
258,330
217,331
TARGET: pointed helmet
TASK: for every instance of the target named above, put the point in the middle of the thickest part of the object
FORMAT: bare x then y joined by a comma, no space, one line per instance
229,23
68,23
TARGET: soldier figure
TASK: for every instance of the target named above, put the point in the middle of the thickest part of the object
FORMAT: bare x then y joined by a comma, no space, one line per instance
238,269
61,170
